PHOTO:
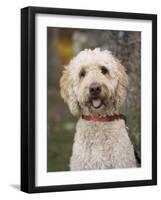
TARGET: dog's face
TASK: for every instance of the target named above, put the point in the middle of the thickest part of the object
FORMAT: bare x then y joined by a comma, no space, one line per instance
94,83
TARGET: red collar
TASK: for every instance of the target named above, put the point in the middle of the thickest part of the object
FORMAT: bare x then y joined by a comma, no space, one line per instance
104,119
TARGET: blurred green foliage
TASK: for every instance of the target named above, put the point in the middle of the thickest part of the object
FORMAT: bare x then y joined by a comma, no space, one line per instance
61,127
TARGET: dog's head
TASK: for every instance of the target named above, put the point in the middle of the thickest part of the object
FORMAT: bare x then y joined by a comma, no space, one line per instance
94,83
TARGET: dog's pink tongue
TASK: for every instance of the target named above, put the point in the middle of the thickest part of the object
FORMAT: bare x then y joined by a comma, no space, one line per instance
96,103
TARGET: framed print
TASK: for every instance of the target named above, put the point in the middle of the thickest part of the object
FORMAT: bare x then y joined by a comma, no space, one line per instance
88,99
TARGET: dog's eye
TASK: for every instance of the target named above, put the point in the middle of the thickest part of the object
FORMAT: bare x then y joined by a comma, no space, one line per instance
104,70
82,73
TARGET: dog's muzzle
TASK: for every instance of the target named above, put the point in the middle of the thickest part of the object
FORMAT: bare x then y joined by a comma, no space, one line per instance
95,90
95,93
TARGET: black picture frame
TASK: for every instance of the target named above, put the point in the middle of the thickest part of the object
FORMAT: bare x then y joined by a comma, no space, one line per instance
28,98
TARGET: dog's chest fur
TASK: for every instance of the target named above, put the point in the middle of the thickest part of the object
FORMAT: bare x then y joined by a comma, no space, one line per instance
101,145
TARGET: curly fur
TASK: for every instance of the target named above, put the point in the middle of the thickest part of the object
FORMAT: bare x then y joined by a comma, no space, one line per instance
97,145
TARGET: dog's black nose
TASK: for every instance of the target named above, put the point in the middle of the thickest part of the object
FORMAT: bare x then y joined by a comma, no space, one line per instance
95,89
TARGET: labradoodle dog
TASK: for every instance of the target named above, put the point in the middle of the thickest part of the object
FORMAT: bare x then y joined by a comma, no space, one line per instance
94,86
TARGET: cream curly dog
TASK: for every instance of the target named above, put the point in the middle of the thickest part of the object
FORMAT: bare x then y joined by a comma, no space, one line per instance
94,86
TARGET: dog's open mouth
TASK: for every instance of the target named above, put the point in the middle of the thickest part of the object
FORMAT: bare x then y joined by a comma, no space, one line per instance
96,103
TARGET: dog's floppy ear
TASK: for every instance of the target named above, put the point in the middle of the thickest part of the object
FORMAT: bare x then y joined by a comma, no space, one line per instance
67,93
121,89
